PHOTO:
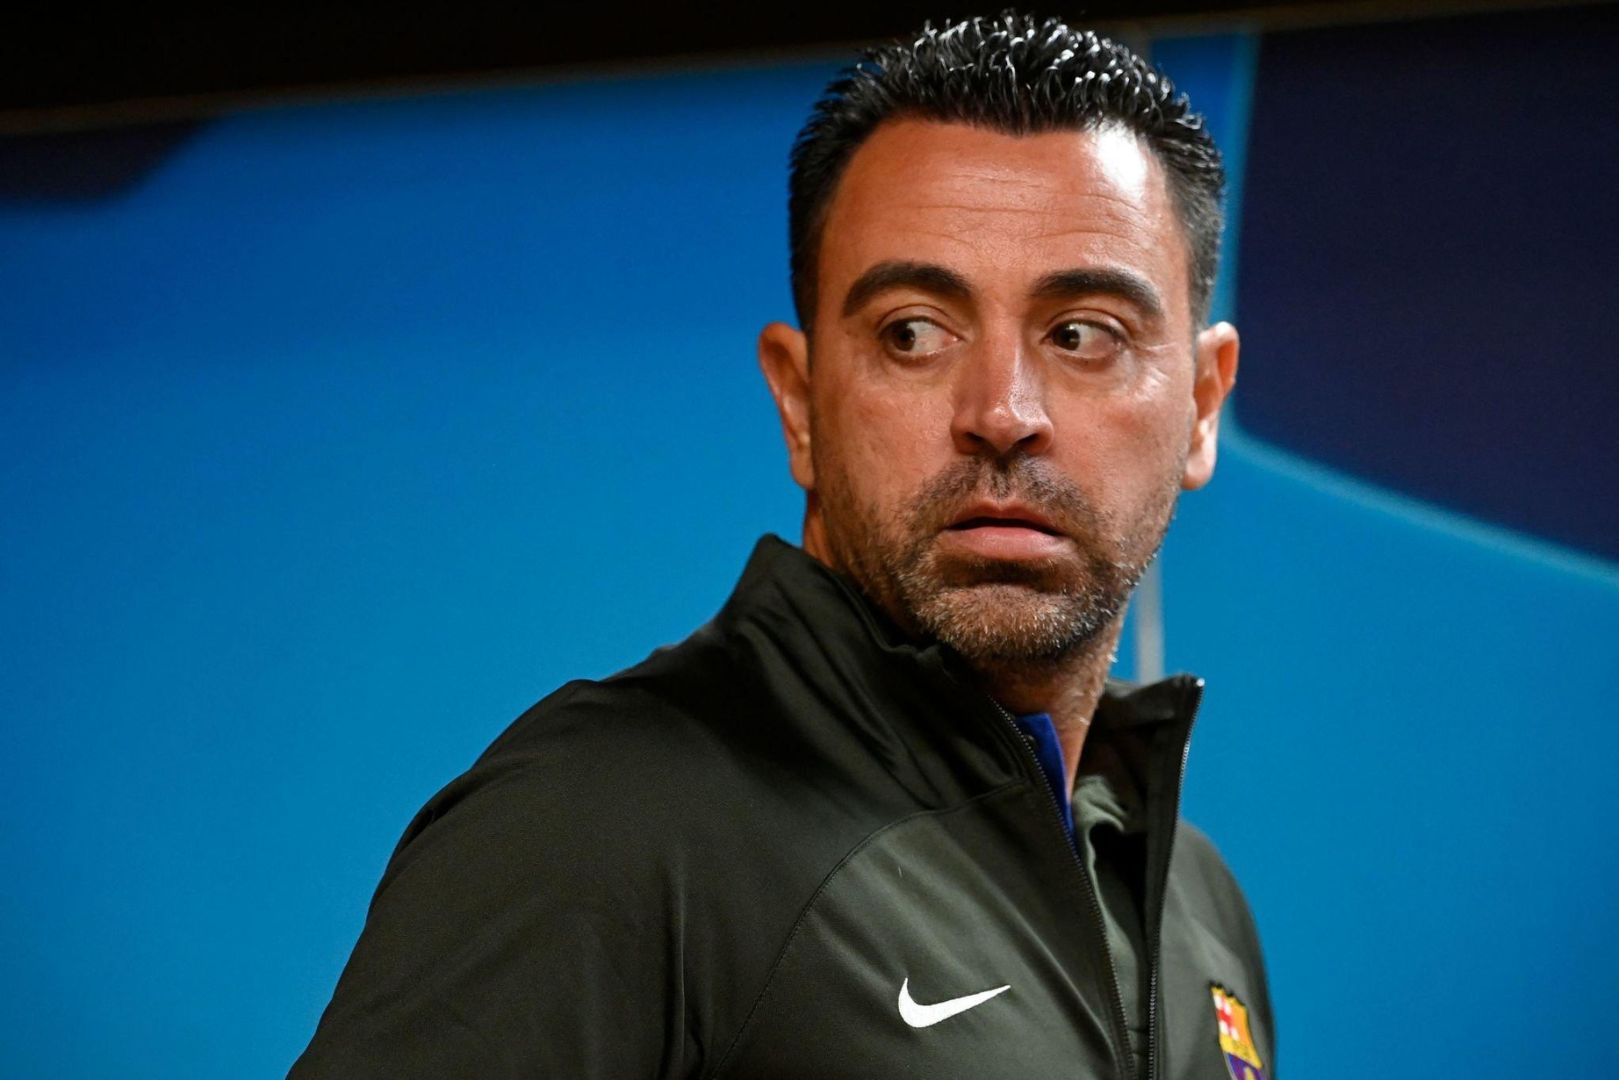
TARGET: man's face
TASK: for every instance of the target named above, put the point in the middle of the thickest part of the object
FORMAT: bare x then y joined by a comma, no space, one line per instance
1001,395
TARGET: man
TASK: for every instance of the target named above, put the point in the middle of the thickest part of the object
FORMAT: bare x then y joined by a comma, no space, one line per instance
883,816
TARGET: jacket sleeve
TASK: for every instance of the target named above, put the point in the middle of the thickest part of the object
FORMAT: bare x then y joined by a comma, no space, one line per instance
524,927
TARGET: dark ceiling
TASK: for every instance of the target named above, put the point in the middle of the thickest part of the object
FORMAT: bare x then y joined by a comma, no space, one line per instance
71,60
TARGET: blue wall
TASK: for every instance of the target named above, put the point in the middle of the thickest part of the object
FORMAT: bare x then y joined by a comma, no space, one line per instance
347,431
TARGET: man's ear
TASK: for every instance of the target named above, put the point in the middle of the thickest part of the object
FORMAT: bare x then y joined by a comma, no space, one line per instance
784,357
1216,372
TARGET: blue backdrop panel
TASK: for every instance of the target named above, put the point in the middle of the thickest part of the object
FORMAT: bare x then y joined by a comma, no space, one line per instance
1431,277
328,448
350,430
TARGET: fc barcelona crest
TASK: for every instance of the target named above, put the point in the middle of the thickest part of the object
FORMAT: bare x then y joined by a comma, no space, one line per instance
1236,1040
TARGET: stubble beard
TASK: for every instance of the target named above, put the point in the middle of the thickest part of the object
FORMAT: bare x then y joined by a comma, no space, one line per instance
1012,618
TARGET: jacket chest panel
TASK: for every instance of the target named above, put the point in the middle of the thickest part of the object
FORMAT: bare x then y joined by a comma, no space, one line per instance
897,965
1195,961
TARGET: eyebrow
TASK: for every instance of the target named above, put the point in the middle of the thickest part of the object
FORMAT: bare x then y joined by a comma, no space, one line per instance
1101,282
896,274
1058,285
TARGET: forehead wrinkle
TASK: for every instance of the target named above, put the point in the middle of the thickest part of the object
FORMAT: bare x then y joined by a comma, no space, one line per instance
1119,243
995,203
1000,216
1135,206
993,184
1117,217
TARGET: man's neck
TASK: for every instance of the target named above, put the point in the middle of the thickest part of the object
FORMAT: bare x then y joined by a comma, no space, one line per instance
1067,692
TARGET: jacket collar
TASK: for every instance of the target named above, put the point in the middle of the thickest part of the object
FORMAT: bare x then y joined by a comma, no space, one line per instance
791,603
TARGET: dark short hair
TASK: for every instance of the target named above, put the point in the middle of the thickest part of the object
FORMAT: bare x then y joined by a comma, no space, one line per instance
1022,76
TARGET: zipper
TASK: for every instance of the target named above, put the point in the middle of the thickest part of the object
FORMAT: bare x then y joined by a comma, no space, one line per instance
1154,945
1155,941
1119,1037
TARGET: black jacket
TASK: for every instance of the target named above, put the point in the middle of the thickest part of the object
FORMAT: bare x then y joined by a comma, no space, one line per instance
727,861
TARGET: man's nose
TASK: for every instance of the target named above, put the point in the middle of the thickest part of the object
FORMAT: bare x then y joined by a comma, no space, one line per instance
1000,403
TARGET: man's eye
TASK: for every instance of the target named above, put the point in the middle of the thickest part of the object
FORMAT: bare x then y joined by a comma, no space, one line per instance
1085,340
916,337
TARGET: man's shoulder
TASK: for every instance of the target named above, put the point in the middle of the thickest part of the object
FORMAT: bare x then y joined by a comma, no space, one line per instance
1198,859
605,826
639,735
1204,883
685,738
679,693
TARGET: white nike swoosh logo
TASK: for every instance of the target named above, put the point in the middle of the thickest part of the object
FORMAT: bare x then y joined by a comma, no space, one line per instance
921,1016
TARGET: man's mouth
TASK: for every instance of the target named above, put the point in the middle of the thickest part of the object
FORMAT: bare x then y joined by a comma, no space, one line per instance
1003,516
1003,531
988,522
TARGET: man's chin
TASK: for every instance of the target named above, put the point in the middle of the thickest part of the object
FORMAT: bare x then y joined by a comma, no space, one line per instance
1047,575
994,623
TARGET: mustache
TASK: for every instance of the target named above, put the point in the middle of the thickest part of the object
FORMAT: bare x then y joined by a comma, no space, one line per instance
1027,479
